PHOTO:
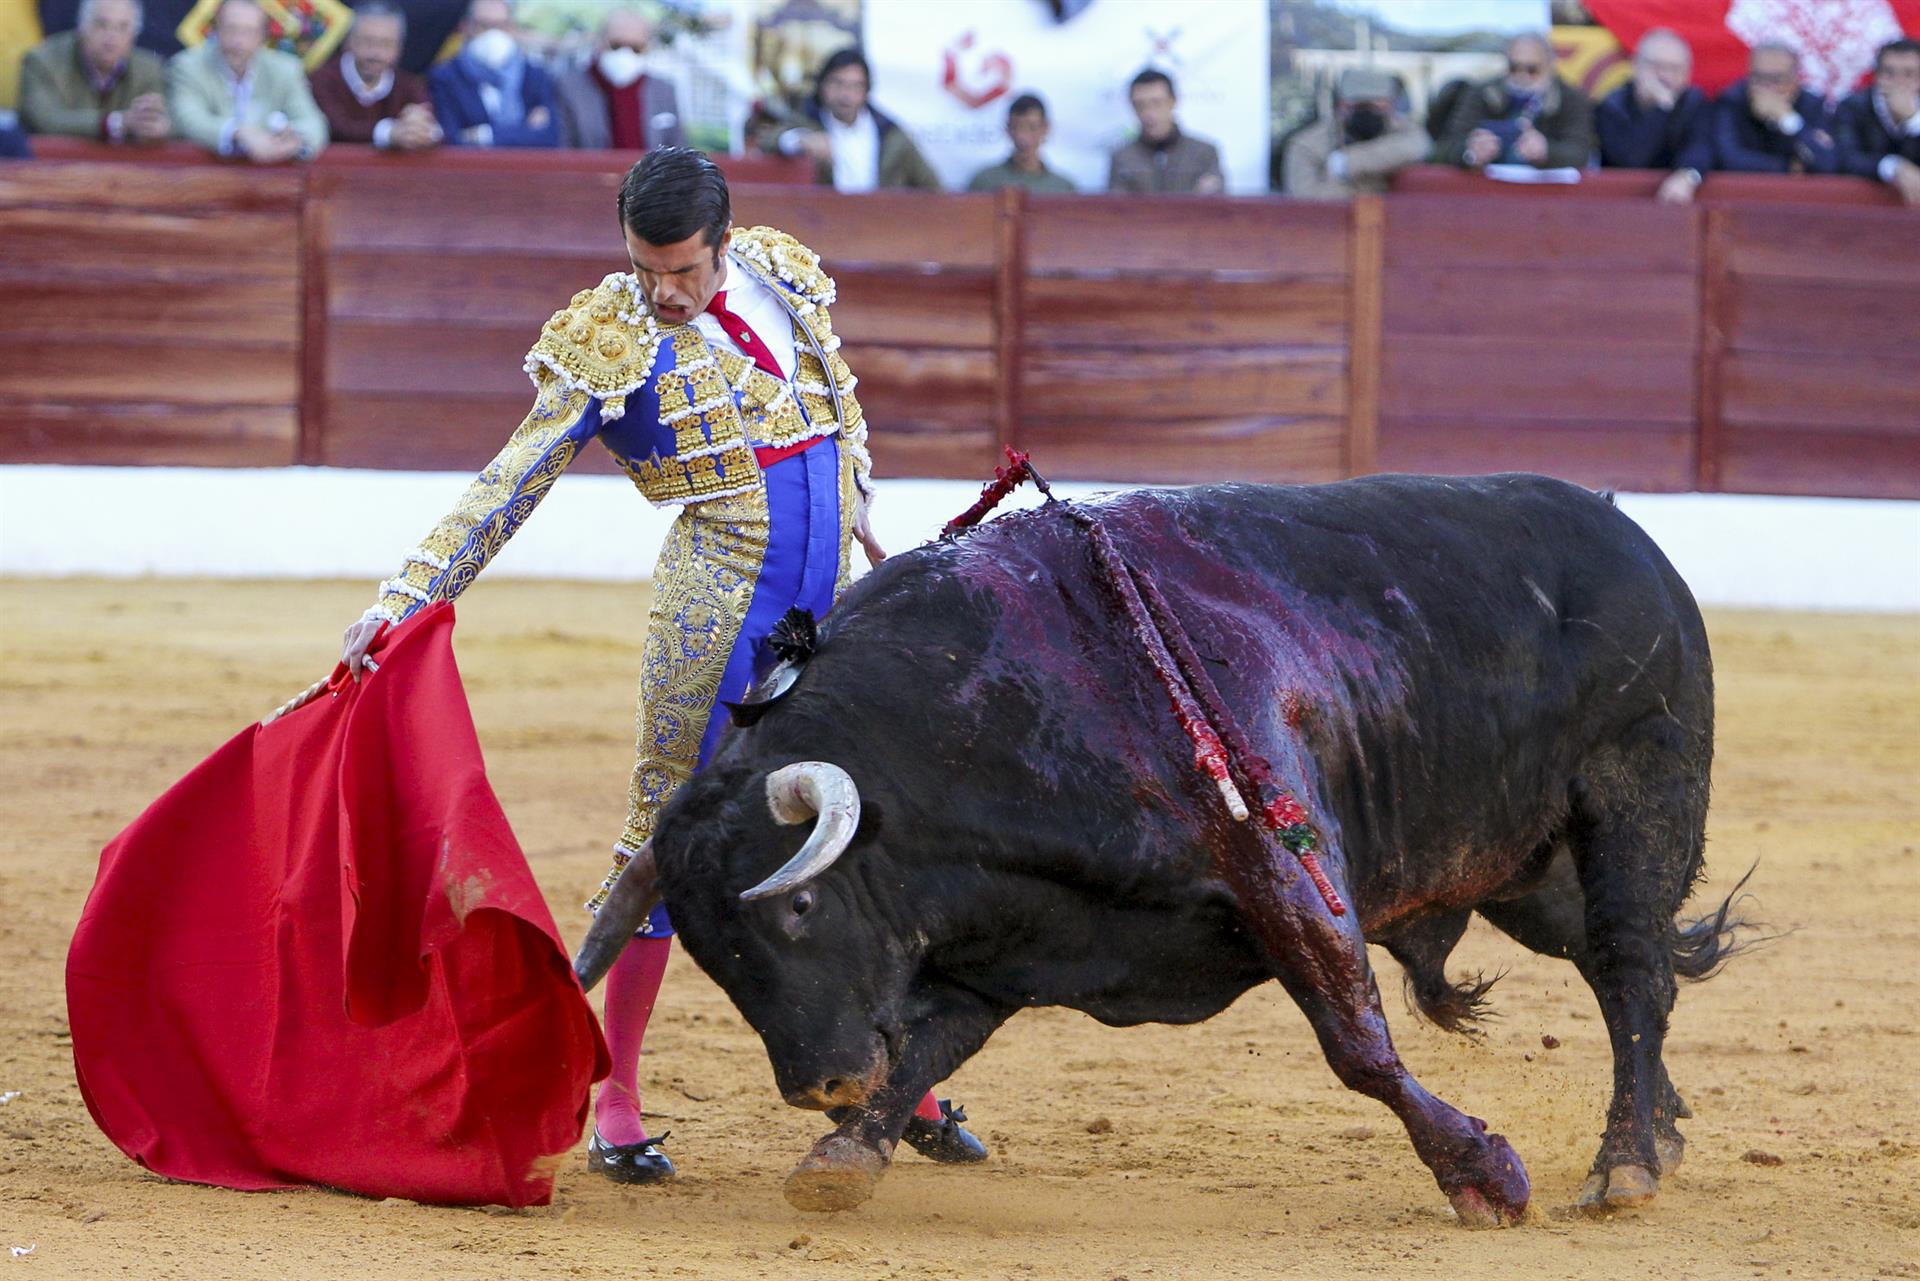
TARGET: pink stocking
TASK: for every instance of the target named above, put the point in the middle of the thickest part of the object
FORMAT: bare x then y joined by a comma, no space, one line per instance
632,984
929,1109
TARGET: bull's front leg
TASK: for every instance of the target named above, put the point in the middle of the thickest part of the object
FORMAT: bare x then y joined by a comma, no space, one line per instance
1321,959
842,1170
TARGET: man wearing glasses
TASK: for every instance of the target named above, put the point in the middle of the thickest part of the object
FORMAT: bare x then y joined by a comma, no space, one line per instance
1877,130
1770,123
1530,116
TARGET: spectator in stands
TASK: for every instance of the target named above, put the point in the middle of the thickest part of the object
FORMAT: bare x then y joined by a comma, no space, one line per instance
1768,123
13,139
1359,147
365,94
236,97
1658,120
854,145
92,82
491,94
1530,116
1163,160
1027,127
611,103
1877,131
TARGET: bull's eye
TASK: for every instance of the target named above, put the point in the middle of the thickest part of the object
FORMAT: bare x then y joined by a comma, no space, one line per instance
802,902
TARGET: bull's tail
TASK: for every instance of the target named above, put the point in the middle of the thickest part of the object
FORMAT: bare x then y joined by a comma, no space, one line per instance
1704,944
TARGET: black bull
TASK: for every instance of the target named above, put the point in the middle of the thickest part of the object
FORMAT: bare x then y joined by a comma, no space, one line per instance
1491,695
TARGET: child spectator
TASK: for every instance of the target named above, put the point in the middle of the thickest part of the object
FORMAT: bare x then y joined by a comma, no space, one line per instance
1027,127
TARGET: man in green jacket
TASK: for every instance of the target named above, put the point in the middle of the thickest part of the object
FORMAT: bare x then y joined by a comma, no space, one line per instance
92,83
236,97
854,145
1530,116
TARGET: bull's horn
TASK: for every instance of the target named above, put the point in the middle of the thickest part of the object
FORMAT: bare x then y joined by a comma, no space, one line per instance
800,792
634,895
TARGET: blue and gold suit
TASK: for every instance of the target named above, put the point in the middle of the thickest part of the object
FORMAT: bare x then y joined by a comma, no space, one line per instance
684,420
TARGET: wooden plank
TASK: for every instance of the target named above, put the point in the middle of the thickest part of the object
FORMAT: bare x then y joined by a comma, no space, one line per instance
1519,302
224,247
316,243
182,371
441,213
1843,463
1276,448
944,451
1819,394
1073,311
1544,380
392,358
1715,300
898,308
1825,246
1186,383
40,430
202,190
60,306
1605,455
1450,232
1186,236
880,228
1009,312
1766,313
951,386
1364,343
492,290
429,433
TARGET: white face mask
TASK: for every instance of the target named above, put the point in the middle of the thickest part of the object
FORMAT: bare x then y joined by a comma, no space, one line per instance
621,67
493,48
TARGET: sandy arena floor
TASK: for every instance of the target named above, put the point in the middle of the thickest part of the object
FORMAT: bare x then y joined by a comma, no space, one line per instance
1232,1151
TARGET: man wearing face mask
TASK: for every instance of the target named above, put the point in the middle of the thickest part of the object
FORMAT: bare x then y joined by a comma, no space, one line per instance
492,94
611,103
712,374
1530,116
1658,120
1359,147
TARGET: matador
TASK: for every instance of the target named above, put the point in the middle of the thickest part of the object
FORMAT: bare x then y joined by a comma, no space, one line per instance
712,374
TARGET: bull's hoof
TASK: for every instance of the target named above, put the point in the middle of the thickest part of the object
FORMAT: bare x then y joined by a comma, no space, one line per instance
1624,1187
1498,1197
1669,1149
839,1174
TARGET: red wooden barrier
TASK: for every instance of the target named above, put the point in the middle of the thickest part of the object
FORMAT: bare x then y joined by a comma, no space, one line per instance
370,310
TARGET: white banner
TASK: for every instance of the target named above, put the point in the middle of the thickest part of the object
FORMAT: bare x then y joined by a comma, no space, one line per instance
947,71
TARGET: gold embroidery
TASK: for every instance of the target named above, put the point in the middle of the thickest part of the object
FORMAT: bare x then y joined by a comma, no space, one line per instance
596,345
691,480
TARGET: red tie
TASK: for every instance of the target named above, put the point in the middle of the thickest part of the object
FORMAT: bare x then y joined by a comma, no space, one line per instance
738,330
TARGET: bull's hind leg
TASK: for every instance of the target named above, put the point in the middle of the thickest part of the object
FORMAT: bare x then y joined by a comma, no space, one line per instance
1639,817
1321,959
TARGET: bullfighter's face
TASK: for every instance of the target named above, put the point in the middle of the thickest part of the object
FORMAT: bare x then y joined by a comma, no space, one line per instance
680,279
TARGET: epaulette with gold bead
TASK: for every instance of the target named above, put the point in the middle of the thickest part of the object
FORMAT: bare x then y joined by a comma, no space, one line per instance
603,343
785,259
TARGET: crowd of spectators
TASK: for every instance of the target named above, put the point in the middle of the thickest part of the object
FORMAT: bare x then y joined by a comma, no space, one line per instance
238,98
1531,118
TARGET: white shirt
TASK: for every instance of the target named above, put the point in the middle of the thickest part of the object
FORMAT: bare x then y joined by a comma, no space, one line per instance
856,151
754,303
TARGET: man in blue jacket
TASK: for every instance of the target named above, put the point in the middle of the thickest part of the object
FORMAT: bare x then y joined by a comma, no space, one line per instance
1877,130
1769,123
492,94
1658,120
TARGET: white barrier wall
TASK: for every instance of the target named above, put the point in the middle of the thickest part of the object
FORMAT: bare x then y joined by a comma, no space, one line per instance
302,522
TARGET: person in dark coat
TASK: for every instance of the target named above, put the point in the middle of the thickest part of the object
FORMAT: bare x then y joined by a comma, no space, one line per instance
366,96
492,94
1529,116
1877,131
1770,123
1658,120
610,102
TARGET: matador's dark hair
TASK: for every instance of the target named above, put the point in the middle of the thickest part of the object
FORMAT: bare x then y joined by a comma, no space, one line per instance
673,193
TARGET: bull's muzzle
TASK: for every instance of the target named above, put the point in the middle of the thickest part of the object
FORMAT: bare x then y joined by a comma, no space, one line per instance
810,790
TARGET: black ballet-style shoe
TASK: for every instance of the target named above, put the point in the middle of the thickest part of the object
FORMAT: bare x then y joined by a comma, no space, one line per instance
641,1162
944,1140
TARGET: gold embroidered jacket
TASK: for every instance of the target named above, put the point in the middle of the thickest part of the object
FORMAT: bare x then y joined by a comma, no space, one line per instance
681,417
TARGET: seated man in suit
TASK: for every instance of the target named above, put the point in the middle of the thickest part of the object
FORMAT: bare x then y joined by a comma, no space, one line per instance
92,82
1658,120
1877,131
366,96
1530,116
236,97
611,103
492,94
1768,123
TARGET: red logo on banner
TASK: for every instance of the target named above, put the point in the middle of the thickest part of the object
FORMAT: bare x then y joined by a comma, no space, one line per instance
983,80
